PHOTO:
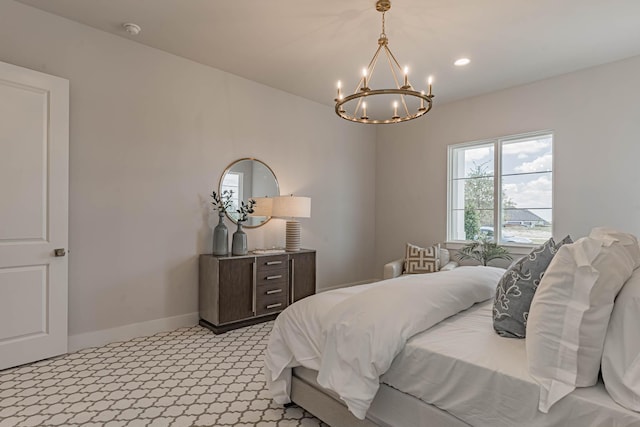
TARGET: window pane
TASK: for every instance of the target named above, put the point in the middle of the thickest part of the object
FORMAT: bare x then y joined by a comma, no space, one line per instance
525,235
527,155
471,190
527,190
233,182
473,161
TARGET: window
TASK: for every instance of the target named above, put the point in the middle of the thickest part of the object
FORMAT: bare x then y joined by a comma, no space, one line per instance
501,189
233,182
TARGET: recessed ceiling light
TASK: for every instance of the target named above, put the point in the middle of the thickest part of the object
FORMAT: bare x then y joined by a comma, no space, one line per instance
132,29
462,62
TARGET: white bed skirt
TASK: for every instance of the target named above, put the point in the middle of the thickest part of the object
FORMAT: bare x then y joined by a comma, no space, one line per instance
390,408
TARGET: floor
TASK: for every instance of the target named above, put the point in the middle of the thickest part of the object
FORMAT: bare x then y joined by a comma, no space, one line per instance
187,377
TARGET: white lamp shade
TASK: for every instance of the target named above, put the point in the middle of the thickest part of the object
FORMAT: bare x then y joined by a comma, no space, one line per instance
291,207
263,206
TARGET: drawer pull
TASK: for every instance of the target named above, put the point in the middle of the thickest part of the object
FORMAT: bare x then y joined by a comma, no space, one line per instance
270,306
273,291
253,297
277,276
273,262
293,281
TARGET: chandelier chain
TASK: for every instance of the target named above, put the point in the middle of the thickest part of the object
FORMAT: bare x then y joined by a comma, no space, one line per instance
383,32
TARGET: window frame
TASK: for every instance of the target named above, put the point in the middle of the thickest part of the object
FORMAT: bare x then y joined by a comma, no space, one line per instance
497,185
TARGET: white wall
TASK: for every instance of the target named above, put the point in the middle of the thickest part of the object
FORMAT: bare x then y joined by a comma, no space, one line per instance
595,117
150,135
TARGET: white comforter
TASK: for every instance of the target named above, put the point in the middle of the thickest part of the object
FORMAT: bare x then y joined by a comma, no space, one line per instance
351,335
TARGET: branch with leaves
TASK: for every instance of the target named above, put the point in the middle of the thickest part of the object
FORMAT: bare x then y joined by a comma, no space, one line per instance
483,250
222,202
245,209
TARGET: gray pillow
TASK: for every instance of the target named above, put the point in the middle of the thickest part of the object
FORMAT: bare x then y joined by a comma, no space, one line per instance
517,286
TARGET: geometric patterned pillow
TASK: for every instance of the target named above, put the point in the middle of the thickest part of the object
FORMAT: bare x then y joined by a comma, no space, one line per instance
517,286
421,260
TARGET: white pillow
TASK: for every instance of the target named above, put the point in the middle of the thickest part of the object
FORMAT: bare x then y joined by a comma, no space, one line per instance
569,314
629,241
621,356
449,266
445,257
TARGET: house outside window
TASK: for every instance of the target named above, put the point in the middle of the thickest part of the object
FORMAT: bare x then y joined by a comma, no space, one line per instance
501,189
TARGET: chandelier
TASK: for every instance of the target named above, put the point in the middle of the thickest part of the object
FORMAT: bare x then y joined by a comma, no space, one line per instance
405,103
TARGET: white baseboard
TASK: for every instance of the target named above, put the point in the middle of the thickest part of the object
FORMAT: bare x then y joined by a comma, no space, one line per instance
127,332
346,285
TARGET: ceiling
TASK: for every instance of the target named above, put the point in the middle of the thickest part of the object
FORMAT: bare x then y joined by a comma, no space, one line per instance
304,47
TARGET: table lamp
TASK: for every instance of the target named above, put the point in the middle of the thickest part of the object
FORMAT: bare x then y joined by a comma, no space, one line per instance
290,208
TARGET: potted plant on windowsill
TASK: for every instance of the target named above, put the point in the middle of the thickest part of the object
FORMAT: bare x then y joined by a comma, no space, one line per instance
221,202
483,250
239,241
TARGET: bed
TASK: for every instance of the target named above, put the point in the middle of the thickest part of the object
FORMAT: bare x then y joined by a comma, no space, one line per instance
454,371
495,365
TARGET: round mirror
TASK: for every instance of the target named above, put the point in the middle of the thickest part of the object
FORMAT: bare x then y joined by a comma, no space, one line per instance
248,179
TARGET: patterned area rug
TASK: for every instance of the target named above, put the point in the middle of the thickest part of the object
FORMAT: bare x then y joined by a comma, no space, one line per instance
188,377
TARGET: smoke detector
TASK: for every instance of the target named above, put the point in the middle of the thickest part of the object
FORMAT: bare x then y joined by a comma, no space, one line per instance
132,29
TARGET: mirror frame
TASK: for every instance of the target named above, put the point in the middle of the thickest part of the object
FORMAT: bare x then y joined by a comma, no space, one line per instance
228,168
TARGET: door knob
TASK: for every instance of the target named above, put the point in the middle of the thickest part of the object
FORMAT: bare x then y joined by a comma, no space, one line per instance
59,252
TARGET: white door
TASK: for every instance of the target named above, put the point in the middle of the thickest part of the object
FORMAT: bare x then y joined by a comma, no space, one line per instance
34,209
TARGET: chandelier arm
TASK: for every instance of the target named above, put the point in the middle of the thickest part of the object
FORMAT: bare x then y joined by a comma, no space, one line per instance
404,104
355,111
393,72
392,60
370,67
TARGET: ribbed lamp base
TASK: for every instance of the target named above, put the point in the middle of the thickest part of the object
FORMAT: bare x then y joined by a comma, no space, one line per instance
293,236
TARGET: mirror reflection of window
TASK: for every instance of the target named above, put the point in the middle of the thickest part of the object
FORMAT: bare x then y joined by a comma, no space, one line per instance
248,178
233,182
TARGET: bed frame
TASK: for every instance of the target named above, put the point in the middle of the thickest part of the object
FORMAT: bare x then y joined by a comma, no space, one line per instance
390,408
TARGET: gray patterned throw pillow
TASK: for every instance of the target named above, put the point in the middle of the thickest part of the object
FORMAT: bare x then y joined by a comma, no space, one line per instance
517,286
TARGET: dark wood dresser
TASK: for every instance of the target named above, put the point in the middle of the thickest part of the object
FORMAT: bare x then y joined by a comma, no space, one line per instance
236,291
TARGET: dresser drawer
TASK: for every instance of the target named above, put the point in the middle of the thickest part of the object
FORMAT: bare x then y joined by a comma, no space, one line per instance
266,304
268,277
273,262
263,291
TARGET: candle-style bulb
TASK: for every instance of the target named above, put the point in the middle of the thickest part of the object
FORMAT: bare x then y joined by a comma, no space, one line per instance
339,89
364,78
406,76
395,110
364,111
430,82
